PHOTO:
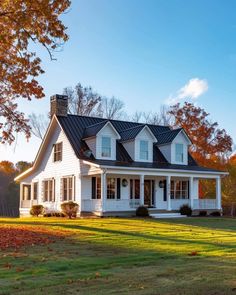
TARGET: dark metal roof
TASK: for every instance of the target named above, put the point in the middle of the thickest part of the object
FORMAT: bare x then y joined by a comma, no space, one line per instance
93,129
168,136
131,133
74,127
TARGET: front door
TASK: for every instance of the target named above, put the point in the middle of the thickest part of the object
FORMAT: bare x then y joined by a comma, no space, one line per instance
148,193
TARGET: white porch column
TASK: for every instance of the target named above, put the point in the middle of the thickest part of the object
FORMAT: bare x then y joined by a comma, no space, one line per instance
141,189
191,191
103,190
168,183
218,193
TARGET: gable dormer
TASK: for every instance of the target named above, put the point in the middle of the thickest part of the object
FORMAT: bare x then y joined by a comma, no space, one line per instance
138,142
101,139
174,145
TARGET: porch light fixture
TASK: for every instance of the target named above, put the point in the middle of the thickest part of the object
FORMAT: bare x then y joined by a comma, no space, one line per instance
124,182
161,184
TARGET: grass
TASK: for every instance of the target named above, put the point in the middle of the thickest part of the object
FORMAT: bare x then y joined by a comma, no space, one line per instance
124,256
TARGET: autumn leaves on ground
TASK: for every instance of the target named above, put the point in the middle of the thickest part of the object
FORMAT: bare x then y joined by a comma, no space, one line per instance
117,255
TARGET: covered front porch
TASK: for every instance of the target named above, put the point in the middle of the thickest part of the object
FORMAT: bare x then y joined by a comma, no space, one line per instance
113,192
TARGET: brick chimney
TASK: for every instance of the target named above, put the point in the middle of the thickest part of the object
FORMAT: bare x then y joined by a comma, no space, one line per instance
59,105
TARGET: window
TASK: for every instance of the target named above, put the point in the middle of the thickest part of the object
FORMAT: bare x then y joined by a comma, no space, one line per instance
179,152
106,147
143,150
57,156
111,188
26,192
67,190
96,188
134,188
48,190
179,190
35,190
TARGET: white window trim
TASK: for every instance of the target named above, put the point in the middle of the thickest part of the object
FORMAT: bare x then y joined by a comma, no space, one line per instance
109,148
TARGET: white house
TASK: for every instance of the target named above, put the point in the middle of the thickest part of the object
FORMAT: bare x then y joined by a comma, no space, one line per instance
110,167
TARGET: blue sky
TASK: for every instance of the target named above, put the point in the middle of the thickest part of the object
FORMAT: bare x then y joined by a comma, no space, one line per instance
145,52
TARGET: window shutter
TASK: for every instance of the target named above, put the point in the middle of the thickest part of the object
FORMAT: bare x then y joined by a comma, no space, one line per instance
61,189
54,190
118,188
93,187
42,191
164,191
74,188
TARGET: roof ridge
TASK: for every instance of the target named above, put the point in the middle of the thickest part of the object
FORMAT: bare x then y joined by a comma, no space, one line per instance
171,130
116,120
95,124
141,125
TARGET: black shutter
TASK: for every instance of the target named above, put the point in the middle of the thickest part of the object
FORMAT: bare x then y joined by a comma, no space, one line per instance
93,187
164,191
118,188
153,193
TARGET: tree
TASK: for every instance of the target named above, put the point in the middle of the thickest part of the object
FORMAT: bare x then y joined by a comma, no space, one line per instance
21,166
211,145
23,23
112,108
83,101
39,124
156,118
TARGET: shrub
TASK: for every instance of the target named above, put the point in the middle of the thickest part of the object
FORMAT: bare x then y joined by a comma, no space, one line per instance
70,209
185,210
142,211
54,214
215,213
203,213
36,210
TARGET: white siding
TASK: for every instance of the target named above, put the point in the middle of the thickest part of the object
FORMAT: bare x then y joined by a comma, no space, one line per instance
91,142
168,150
49,169
180,138
108,131
130,147
195,189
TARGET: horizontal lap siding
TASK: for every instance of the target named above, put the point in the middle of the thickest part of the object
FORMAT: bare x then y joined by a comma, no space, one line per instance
48,169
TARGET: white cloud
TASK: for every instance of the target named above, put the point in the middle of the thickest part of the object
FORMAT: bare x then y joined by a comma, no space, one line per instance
192,90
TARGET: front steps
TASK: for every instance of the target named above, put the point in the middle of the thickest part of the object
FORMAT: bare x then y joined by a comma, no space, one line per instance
167,215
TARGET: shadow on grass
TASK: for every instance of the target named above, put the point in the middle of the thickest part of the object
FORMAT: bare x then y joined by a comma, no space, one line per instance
155,237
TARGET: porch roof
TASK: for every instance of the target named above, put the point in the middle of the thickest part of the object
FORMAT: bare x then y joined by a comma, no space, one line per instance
154,165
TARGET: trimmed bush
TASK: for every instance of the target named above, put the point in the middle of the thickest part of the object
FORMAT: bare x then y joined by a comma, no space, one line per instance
36,210
142,211
70,209
215,213
185,210
203,213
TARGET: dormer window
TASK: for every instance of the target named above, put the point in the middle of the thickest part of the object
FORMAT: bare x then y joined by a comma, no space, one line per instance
179,152
106,147
143,150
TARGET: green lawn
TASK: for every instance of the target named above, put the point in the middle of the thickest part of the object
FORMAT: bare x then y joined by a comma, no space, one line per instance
125,256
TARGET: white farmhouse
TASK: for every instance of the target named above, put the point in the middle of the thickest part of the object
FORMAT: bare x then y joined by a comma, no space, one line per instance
110,167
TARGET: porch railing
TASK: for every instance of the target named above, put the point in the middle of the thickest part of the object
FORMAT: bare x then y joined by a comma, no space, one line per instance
91,205
204,204
110,205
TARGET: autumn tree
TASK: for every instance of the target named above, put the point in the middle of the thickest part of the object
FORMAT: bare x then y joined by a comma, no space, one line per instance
211,145
23,23
83,101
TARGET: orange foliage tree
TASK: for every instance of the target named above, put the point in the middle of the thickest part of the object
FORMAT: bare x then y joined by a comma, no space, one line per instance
211,145
22,23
